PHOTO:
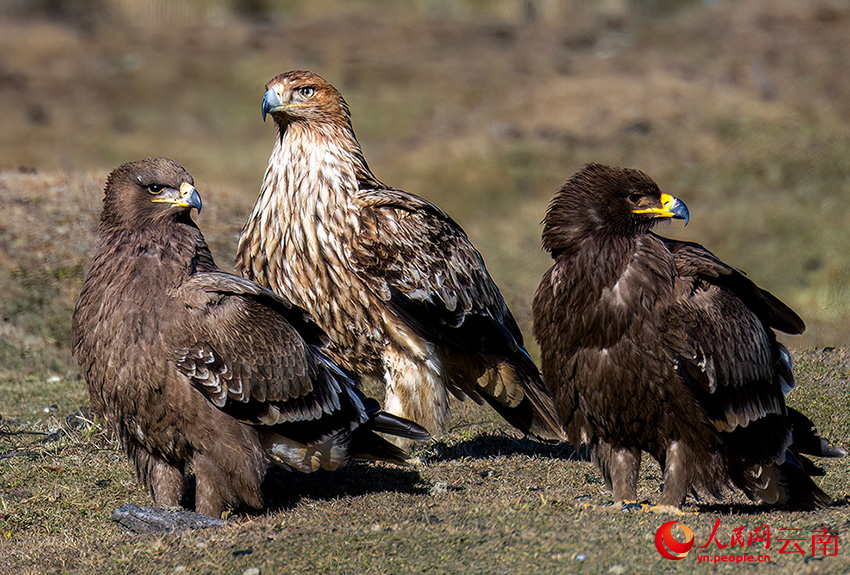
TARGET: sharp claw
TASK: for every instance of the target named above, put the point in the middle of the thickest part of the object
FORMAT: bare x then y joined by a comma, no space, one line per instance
631,506
617,506
667,509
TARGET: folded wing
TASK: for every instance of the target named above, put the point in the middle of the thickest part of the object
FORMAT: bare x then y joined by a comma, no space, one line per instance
243,351
419,262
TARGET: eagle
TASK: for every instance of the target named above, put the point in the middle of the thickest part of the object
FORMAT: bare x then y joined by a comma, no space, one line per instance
403,295
653,344
203,372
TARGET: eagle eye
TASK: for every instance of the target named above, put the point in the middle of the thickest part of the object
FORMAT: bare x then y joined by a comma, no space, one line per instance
155,189
307,91
634,197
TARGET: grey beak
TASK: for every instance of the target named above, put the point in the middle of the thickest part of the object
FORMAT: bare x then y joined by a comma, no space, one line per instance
270,101
190,196
194,200
679,210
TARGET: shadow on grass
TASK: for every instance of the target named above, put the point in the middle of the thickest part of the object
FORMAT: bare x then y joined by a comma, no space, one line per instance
756,508
284,490
494,445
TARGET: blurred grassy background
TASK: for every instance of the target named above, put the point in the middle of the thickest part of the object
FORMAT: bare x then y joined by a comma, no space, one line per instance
483,106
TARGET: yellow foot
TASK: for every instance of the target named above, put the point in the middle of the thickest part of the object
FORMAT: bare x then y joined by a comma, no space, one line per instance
667,509
617,506
630,505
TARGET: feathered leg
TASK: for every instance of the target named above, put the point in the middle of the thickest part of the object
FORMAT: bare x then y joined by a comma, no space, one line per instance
416,390
230,471
678,477
166,483
619,467
164,480
226,483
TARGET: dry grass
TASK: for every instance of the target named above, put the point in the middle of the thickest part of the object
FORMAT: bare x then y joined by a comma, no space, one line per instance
740,108
482,501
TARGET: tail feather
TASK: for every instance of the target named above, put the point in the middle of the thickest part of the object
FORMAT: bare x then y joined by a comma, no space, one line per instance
398,426
810,468
329,441
329,452
806,438
366,444
511,385
388,423
336,447
788,484
799,491
535,414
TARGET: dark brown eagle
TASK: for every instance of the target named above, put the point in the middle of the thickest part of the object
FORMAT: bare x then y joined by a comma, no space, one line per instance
403,295
652,344
201,371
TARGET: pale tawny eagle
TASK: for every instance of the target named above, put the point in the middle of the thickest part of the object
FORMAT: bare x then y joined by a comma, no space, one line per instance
403,295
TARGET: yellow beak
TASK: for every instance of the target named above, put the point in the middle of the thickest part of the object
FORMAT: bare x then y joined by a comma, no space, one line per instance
186,197
671,207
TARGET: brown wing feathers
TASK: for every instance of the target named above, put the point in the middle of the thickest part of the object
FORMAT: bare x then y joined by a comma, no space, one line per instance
694,260
213,373
456,306
625,314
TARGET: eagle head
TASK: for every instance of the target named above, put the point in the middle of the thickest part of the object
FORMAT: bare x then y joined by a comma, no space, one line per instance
300,95
606,199
143,192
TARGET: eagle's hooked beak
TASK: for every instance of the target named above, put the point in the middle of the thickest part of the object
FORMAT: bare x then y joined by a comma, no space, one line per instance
272,102
671,207
186,197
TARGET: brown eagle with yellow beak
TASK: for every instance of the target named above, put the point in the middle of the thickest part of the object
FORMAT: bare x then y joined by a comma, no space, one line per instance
653,344
403,294
203,373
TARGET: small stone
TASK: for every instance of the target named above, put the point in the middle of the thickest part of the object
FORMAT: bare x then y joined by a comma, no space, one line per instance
438,487
251,571
180,569
79,420
580,557
617,569
146,519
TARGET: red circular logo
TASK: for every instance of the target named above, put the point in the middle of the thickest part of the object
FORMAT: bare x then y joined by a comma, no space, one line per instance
668,546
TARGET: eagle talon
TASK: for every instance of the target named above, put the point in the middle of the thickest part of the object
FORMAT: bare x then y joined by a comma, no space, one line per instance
616,507
664,509
631,506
